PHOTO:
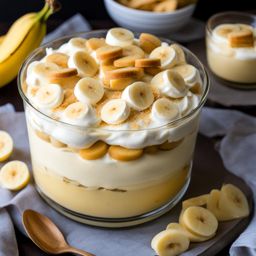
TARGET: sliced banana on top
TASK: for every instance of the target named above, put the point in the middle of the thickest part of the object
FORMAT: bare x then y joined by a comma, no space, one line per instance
115,111
138,95
170,243
167,56
170,83
49,96
77,44
133,50
80,113
189,73
119,37
6,146
89,90
84,63
14,175
220,33
164,111
180,55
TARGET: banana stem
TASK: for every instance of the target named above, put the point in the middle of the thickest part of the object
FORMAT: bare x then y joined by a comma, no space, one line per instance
54,6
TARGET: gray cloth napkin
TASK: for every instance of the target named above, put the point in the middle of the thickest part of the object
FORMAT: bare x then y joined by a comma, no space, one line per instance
135,240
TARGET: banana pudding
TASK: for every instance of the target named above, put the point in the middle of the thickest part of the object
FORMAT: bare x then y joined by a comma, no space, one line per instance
231,50
112,121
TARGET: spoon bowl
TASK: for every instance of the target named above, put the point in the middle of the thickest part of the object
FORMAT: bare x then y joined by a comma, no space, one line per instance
46,235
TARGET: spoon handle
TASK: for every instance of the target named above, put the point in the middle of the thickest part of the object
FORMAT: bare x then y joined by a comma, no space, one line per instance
79,252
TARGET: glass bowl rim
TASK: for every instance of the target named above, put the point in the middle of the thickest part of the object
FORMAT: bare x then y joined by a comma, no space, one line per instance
223,14
206,85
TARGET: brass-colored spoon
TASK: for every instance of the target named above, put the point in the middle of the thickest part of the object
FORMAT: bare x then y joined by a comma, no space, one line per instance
45,234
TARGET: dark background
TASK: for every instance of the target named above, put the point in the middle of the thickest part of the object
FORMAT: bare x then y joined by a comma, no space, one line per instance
94,9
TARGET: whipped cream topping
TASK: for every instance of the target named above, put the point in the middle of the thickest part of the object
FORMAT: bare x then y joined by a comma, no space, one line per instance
219,43
86,125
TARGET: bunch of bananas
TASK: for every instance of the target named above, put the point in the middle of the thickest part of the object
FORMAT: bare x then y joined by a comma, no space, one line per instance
23,37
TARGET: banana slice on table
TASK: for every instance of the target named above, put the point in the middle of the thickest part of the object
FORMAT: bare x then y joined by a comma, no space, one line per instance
96,151
133,50
77,44
233,202
199,221
84,63
189,73
115,111
6,146
170,83
180,55
195,201
149,42
119,37
138,95
170,243
49,96
124,154
164,111
14,175
89,90
192,237
80,113
167,56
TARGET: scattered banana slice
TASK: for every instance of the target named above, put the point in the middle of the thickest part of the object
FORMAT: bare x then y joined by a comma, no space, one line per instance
80,113
89,90
77,44
233,202
6,146
119,37
167,56
164,111
138,95
170,243
124,154
49,96
14,175
115,111
199,221
96,151
149,42
106,53
195,201
84,63
94,43
170,83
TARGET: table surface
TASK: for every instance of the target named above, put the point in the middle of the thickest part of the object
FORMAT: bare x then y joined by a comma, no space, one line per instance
9,94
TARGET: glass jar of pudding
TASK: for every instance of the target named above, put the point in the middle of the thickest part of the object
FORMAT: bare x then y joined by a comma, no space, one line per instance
231,48
103,152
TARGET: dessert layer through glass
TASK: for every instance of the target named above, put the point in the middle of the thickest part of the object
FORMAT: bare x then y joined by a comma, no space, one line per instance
231,48
136,168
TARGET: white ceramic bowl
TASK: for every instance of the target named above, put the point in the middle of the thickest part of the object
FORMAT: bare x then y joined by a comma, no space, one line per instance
145,21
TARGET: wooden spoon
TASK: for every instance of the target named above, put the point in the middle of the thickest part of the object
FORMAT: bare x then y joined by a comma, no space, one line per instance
45,234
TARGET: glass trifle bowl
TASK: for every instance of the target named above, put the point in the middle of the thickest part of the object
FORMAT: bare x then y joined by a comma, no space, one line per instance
107,149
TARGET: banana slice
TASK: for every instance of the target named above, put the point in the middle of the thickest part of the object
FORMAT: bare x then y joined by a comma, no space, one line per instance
233,202
133,50
146,63
58,58
127,61
115,111
180,55
242,38
149,42
89,90
192,237
195,201
96,151
84,63
153,70
170,145
189,73
166,6
170,83
120,84
138,95
164,111
80,113
6,146
14,175
221,32
49,96
31,92
199,221
167,56
119,37
130,72
94,43
63,73
124,154
106,53
77,44
170,243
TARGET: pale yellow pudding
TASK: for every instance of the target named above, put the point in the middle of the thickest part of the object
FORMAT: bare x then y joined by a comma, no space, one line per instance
112,125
